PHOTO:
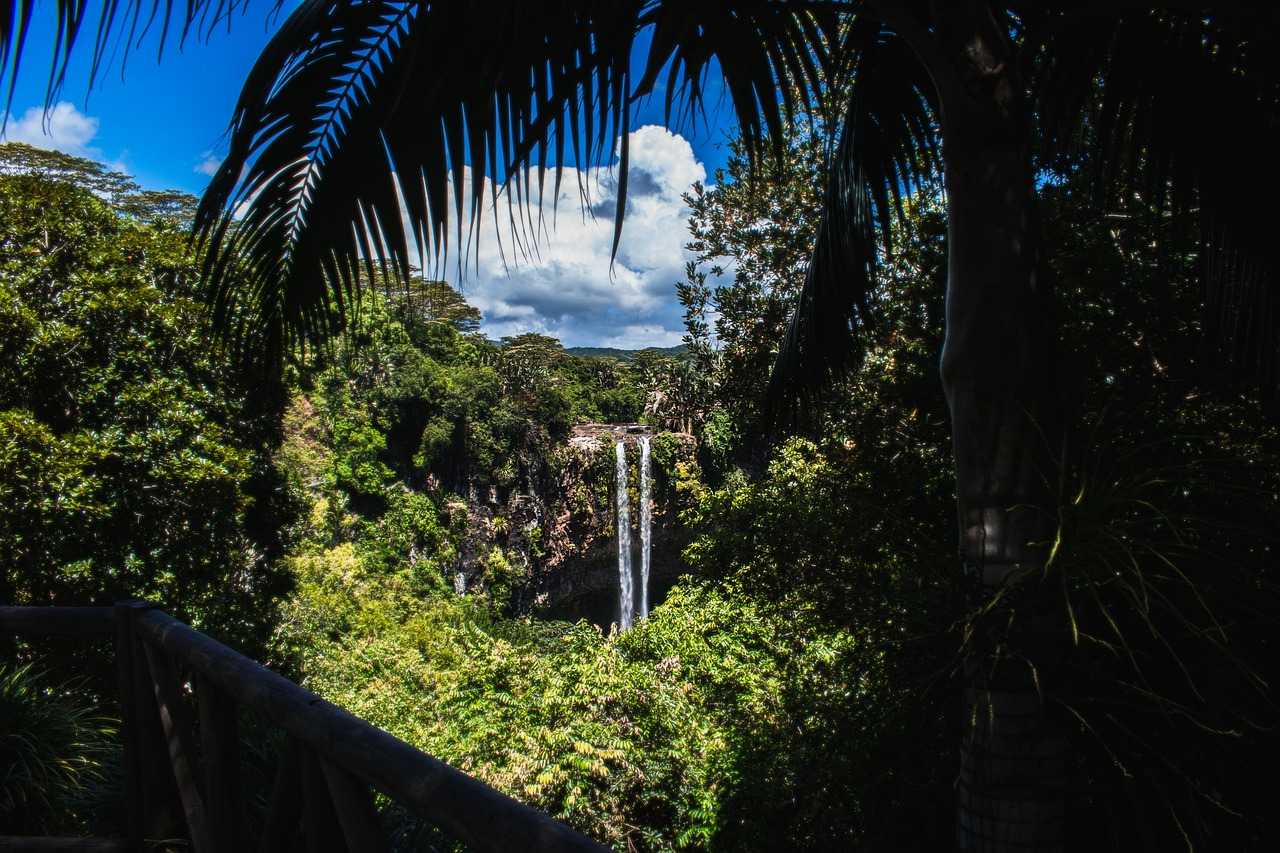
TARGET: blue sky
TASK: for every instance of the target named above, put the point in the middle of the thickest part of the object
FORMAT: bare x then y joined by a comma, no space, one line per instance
157,119
164,122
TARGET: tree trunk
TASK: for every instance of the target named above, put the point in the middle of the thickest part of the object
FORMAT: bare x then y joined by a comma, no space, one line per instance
998,375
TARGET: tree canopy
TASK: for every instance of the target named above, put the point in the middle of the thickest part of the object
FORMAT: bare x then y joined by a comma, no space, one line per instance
133,462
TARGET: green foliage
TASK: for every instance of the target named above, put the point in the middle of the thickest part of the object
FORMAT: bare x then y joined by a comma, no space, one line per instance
857,518
405,398
764,218
604,390
410,534
404,411
131,459
357,446
742,715
430,301
1168,478
1153,624
615,354
772,706
56,751
789,695
703,728
677,735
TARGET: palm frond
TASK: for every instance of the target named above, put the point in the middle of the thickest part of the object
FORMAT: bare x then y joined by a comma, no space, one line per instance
888,147
372,133
1183,111
765,51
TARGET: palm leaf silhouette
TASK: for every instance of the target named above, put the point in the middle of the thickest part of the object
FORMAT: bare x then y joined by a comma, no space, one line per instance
372,133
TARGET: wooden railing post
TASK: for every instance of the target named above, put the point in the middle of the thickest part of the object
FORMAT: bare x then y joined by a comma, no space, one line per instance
133,793
179,736
280,827
220,750
320,823
156,790
356,811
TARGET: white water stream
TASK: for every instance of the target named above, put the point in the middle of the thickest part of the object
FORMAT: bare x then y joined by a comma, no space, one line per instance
646,518
626,599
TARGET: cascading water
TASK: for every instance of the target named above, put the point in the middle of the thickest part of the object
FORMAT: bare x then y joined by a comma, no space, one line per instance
626,600
646,517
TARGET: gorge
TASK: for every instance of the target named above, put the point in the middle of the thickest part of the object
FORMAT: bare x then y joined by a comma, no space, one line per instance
587,555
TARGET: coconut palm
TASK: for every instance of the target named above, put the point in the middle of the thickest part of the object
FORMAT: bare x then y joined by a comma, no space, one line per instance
381,132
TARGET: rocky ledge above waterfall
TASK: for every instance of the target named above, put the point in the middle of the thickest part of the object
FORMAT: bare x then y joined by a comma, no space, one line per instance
591,437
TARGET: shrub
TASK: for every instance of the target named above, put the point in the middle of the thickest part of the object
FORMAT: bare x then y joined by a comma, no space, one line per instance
57,753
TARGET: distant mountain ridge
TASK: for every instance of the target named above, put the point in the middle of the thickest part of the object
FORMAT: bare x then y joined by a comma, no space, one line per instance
677,351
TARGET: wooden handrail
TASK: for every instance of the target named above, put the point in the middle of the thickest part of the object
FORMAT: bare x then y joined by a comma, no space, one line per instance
59,621
476,814
49,844
348,751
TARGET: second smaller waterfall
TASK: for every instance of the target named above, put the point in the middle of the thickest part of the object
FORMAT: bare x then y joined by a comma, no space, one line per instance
626,599
646,519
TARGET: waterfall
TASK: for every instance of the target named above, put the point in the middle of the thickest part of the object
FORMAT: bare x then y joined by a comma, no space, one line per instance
646,518
626,600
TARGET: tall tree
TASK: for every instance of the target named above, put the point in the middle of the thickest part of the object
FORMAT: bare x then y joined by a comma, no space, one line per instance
357,111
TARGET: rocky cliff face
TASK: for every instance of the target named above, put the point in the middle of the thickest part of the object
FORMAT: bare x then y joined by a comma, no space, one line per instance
560,547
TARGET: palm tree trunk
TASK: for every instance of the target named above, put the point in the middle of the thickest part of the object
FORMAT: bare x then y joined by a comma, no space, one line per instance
997,372
998,375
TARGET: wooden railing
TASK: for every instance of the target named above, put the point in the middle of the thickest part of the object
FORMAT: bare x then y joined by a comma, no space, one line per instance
181,757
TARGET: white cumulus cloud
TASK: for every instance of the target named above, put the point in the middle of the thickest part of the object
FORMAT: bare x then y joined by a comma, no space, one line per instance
567,287
208,164
65,128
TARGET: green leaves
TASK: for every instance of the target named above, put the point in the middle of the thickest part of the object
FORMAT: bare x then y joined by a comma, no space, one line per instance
637,739
1178,111
356,446
55,751
888,148
130,460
